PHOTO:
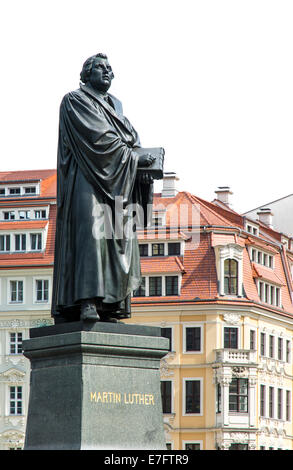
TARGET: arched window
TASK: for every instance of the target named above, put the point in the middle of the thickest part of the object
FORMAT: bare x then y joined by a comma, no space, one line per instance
231,277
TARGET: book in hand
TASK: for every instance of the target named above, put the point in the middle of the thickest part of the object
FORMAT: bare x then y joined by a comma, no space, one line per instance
156,169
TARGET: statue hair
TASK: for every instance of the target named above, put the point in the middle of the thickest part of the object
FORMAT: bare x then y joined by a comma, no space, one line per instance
88,65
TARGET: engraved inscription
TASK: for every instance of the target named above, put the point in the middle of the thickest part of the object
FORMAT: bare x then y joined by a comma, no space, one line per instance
126,398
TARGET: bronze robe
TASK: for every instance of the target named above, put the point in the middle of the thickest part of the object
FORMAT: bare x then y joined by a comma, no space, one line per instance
96,163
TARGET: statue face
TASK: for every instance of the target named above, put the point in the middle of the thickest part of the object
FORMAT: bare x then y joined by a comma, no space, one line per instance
101,74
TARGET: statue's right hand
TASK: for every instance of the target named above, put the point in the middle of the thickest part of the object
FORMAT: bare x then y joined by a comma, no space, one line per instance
146,160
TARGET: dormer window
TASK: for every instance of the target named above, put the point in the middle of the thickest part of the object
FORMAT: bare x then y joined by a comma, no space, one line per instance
144,249
230,277
9,215
260,257
36,241
269,293
4,243
19,190
23,215
30,190
158,249
40,214
173,249
159,217
14,191
253,229
229,263
20,241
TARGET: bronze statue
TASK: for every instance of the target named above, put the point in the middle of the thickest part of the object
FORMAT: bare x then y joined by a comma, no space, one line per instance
99,153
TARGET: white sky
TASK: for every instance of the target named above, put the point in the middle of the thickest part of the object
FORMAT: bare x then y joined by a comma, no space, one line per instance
211,81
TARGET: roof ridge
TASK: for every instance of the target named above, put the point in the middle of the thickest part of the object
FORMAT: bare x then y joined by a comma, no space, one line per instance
212,209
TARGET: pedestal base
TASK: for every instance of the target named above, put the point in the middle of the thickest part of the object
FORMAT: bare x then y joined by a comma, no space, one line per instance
95,386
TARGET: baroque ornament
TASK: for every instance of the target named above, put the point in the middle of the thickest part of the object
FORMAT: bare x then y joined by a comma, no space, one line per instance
232,318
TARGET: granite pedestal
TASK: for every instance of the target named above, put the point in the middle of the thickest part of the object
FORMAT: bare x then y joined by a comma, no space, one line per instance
95,386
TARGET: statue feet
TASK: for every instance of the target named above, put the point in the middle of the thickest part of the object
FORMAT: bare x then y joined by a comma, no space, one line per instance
89,312
108,318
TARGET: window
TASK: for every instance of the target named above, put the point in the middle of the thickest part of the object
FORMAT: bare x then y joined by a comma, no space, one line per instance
230,338
30,190
4,242
42,290
238,395
252,344
262,400
166,393
219,399
280,403
230,277
36,241
277,300
15,401
192,446
20,242
288,405
143,249
2,192
173,249
15,345
262,344
14,191
140,292
271,402
40,214
24,215
167,333
269,294
155,286
157,221
171,285
158,249
9,215
288,350
261,290
252,229
280,349
193,339
192,397
16,291
261,258
271,346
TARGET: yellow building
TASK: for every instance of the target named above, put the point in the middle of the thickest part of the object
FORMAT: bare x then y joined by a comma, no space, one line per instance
220,287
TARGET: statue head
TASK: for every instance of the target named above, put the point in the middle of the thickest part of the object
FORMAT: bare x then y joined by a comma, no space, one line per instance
97,71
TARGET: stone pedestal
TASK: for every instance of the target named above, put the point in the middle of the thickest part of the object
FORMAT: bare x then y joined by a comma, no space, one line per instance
95,386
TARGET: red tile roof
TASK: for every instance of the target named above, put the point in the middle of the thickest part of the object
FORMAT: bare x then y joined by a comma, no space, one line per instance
266,274
23,224
168,264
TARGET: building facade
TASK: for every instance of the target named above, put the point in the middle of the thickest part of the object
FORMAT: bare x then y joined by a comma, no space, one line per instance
219,285
27,228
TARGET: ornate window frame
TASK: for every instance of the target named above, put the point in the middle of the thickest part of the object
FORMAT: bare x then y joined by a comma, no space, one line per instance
224,252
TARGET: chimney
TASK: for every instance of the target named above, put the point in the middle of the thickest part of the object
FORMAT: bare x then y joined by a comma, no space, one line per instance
169,189
223,195
265,216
